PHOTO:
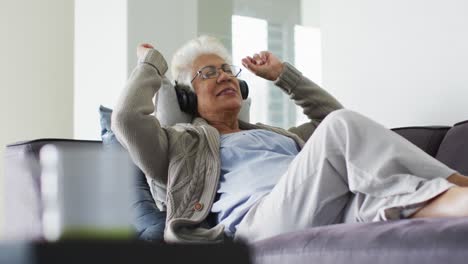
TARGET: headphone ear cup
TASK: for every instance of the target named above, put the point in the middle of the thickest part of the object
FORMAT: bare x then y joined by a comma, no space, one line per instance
244,89
187,99
192,103
181,97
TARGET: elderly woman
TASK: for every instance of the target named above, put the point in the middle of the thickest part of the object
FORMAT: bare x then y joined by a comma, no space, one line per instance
258,181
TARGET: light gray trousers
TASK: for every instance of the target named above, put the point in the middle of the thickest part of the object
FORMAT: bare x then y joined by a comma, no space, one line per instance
352,169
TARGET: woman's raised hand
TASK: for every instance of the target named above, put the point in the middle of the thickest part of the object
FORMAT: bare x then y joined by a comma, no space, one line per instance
264,64
142,48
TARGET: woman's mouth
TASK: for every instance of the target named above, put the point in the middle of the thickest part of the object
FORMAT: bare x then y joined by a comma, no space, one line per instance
227,91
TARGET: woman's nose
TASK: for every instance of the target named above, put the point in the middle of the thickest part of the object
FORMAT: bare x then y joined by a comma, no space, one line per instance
223,76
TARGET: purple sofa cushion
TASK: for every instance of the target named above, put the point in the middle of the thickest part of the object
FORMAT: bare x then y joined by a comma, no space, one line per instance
453,150
404,241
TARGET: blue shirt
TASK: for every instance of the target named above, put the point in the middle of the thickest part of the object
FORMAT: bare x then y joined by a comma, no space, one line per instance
252,161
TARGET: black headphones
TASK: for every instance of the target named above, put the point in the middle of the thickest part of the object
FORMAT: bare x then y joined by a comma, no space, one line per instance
188,99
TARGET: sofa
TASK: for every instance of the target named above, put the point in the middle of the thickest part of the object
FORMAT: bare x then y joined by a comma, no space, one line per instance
404,241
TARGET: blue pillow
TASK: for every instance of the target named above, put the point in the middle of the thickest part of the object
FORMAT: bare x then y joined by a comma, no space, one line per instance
148,221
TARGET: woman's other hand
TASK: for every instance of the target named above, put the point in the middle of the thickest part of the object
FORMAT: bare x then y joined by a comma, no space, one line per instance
142,49
264,64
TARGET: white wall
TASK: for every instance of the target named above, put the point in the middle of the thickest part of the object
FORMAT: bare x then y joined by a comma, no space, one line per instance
100,60
165,24
107,33
400,62
36,72
310,13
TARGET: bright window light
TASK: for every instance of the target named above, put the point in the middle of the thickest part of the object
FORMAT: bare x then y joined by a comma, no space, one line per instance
250,36
308,58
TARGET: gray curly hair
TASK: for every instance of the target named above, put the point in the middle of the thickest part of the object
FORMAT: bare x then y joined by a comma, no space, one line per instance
182,61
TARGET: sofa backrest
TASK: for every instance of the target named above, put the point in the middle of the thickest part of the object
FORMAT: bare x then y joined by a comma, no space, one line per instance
453,150
426,138
447,144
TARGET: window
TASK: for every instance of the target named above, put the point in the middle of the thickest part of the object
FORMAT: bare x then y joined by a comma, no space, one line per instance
250,35
308,58
296,44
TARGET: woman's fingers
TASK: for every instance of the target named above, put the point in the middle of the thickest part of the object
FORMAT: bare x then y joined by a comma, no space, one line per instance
142,48
148,46
256,62
264,55
251,65
264,64
258,59
248,63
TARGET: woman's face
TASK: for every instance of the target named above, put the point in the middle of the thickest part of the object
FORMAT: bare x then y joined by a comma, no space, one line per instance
217,95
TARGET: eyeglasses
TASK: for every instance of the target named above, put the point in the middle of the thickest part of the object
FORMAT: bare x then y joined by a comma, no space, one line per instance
210,72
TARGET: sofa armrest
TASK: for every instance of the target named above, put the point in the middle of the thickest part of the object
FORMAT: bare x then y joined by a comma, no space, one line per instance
22,185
